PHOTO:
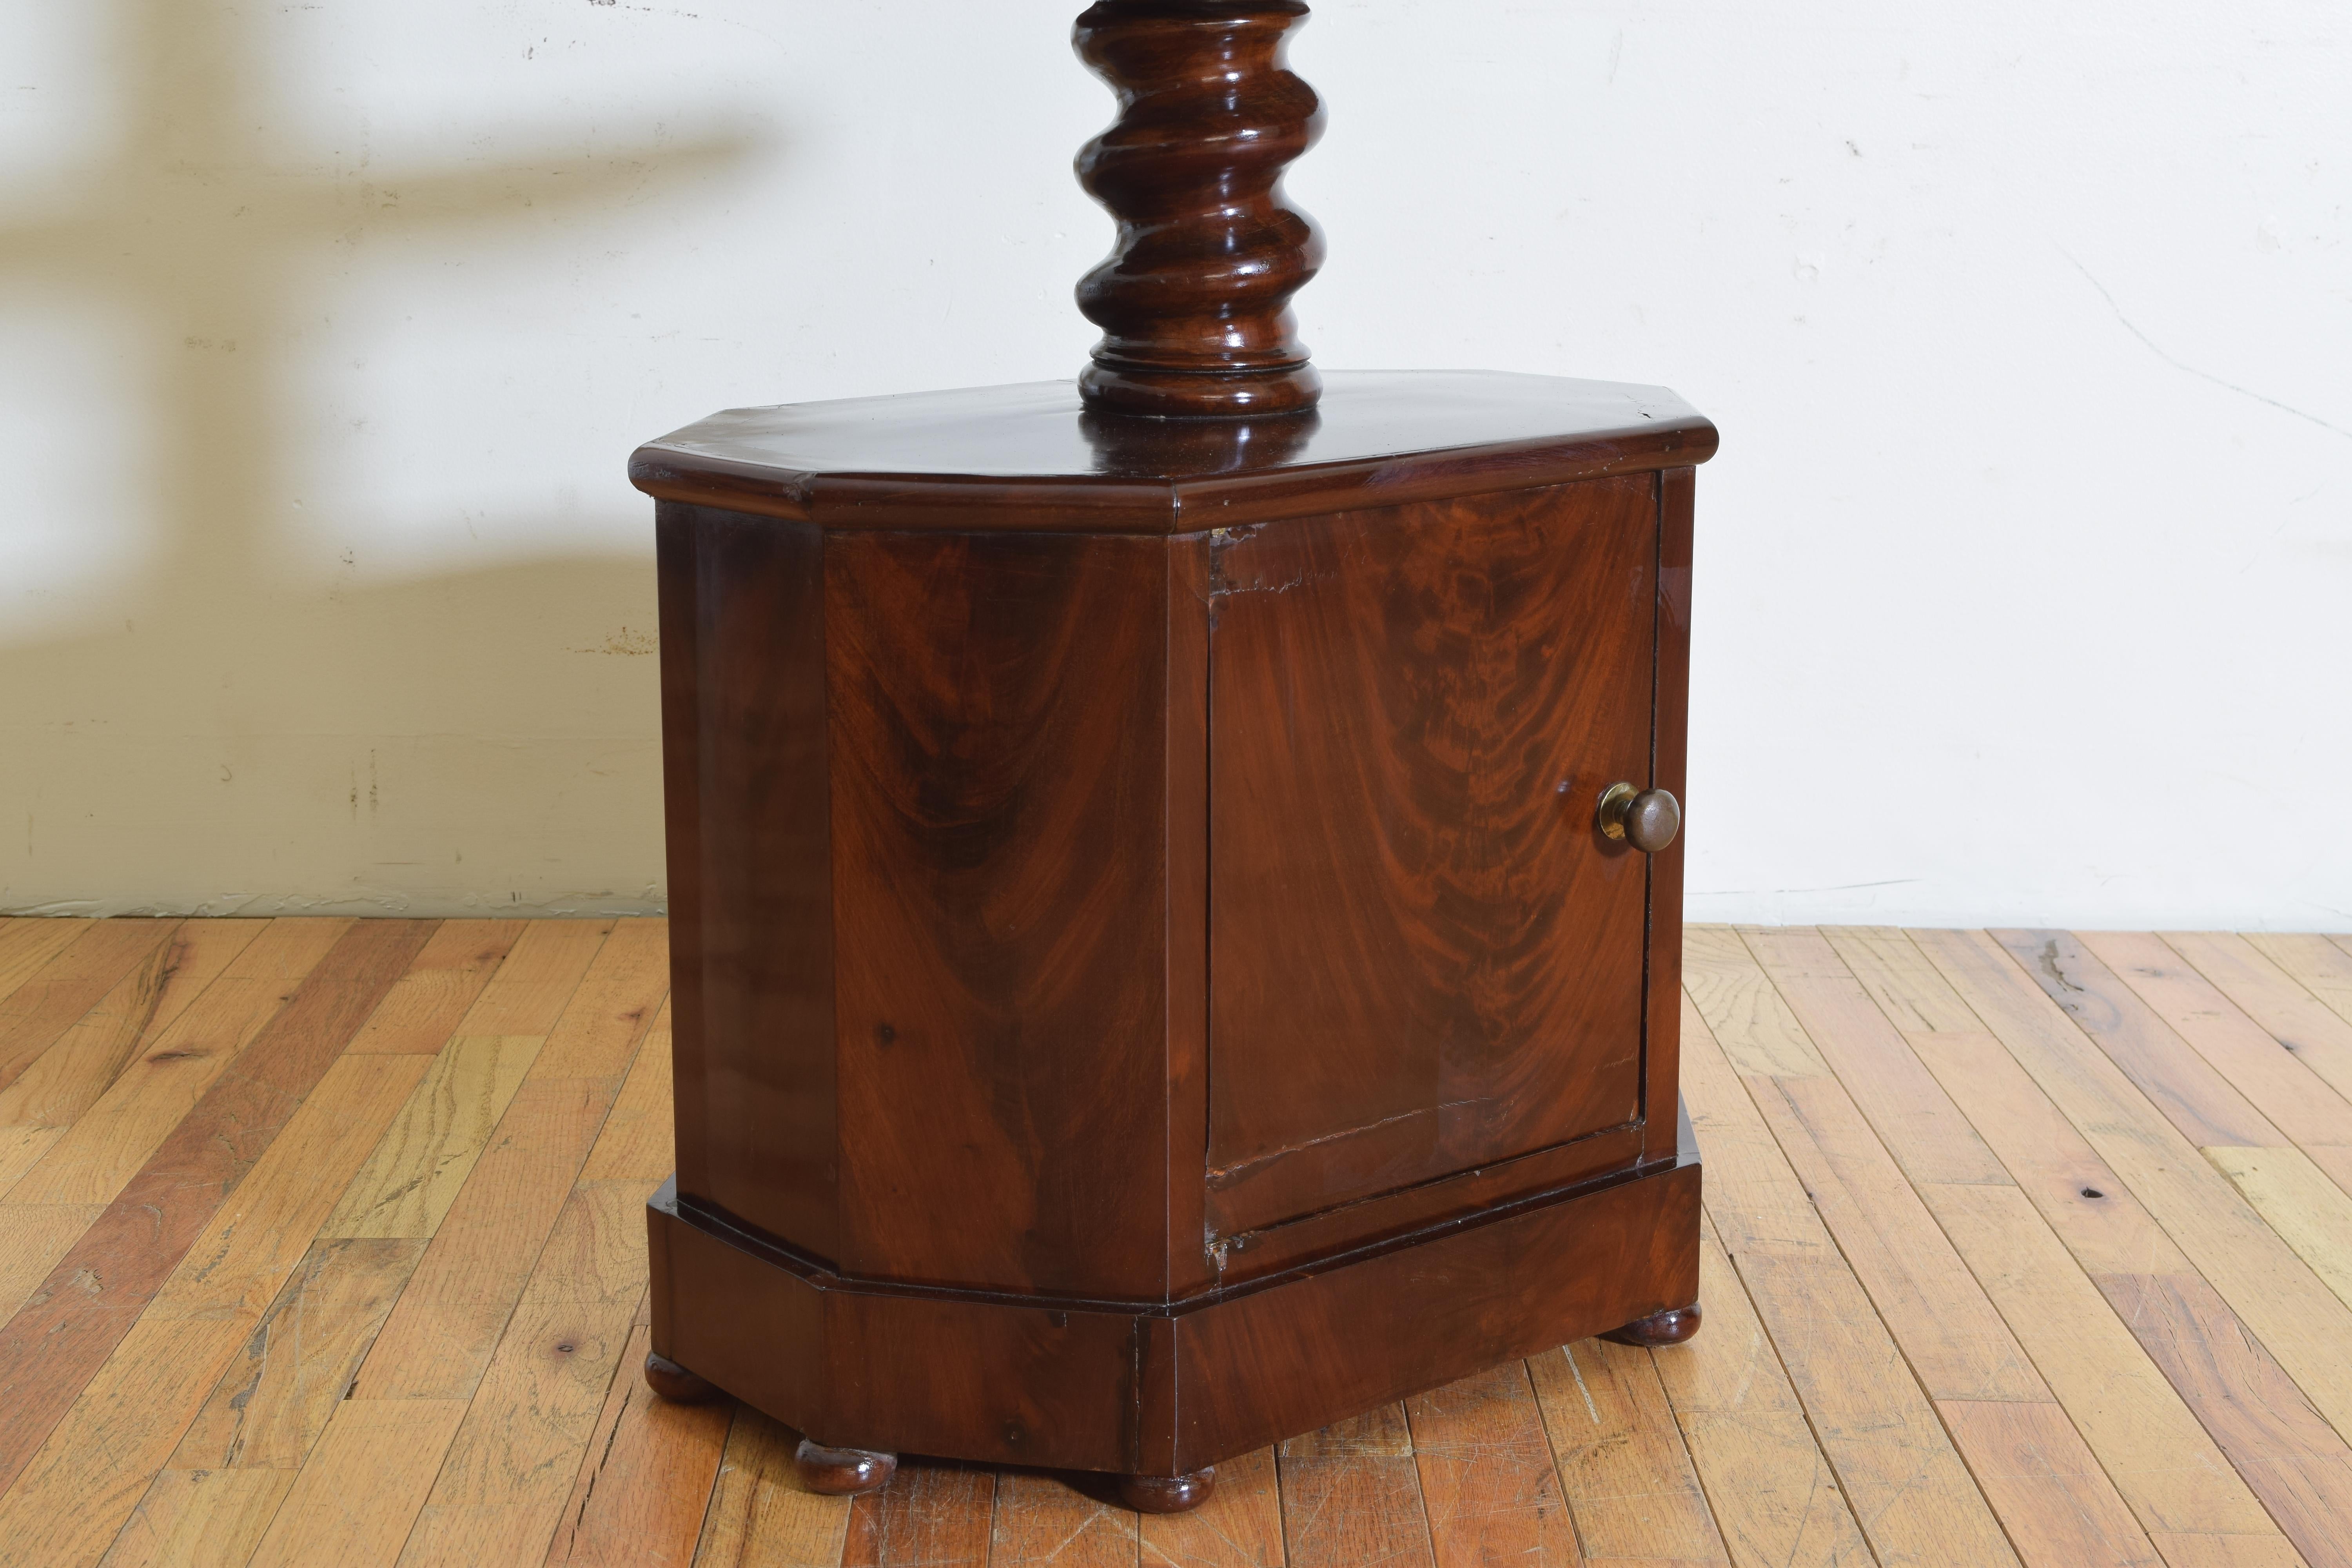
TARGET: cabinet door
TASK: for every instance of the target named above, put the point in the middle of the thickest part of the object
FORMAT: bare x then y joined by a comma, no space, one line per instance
1424,957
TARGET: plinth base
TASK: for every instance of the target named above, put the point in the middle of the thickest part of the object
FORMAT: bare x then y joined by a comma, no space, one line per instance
1144,1389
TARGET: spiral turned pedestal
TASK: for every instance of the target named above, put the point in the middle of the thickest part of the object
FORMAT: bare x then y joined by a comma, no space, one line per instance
1194,301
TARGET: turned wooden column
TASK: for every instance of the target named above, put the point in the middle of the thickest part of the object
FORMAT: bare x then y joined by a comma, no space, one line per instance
1175,879
1194,303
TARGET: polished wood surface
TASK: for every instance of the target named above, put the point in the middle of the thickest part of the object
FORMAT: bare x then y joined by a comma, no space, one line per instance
1194,299
749,856
1031,459
2154,1374
1016,726
674,1383
842,1472
1669,771
1170,1389
1426,957
998,807
1672,1327
1167,1494
1216,930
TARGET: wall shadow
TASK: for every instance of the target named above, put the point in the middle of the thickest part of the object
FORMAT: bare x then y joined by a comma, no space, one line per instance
482,740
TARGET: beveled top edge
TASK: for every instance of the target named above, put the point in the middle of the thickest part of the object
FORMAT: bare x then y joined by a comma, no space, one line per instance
1032,457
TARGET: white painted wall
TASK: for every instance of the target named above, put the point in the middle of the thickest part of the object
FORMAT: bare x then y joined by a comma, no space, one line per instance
325,331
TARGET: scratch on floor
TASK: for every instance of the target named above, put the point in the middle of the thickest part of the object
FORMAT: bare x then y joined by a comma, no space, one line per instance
1578,1373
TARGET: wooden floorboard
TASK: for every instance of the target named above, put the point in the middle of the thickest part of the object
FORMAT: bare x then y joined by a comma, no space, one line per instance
322,1242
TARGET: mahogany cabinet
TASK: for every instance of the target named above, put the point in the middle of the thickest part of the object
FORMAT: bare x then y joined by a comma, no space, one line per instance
1154,974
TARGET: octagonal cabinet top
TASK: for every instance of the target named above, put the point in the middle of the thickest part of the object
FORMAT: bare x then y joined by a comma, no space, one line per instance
1030,458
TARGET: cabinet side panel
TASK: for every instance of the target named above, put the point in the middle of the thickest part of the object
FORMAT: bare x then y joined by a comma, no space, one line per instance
998,730
1190,1264
676,549
744,743
1669,769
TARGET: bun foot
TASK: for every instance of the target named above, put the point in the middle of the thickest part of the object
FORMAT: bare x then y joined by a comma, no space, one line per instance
842,1472
674,1383
1167,1494
1670,1327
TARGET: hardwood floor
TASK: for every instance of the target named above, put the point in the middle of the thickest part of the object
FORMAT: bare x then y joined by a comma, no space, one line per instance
322,1242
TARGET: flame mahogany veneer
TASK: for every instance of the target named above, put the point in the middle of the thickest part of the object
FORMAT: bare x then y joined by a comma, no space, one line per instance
1149,979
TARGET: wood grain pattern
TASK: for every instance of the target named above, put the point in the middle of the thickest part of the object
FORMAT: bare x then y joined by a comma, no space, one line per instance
762,1515
1192,1264
424,1007
416,1170
2103,1223
603,1021
1669,771
499,1497
446,1325
1909,1489
1956,1343
197,1519
2273,1078
62,1333
276,1398
264,1227
1384,1432
33,1236
75,1493
2228,1551
1352,1493
535,983
2268,1287
481,1259
745,791
933,1514
1622,1458
28,945
1405,898
2172,1428
2115,1239
2319,963
69,1078
2058,1506
2310,1211
2079,1194
355,1499
1913,1118
103,1150
1489,1487
58,994
2166,1466
2205,1106
1239,1527
636,1142
994,706
644,1479
1042,1520
2298,1464
550,1390
2298,1020
1773,1493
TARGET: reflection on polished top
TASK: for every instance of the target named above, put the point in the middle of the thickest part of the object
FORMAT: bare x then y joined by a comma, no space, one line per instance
1031,458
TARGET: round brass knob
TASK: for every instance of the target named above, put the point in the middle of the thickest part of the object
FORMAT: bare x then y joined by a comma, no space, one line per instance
1647,819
